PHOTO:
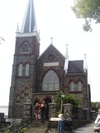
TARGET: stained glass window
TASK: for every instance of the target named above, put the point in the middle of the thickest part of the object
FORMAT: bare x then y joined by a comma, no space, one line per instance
27,69
50,81
79,86
72,86
20,69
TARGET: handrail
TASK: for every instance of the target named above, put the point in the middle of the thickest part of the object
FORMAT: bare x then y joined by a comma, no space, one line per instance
22,124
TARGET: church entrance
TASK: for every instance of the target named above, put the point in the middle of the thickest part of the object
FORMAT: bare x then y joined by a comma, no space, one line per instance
47,100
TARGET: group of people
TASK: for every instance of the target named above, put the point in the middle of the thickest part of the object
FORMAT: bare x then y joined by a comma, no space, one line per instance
40,111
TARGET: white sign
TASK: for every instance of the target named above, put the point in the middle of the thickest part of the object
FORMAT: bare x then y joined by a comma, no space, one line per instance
51,64
54,119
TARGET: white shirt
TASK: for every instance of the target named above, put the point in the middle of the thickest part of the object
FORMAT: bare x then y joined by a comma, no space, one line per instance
98,117
60,117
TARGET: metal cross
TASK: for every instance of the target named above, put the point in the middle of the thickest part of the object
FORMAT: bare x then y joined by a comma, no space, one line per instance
66,45
51,39
85,55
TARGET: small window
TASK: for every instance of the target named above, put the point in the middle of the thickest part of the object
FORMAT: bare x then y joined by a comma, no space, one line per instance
22,94
79,86
20,70
24,48
26,91
72,86
18,98
27,69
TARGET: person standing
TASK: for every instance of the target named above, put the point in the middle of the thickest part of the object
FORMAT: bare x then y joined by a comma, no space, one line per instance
97,123
60,123
36,110
42,111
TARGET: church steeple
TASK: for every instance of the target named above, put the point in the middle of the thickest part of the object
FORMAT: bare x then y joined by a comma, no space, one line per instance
85,63
26,54
29,21
29,27
66,59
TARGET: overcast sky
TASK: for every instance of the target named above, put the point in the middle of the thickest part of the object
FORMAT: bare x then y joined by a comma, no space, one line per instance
54,18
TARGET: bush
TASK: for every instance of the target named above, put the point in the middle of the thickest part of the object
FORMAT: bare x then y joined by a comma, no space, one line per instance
22,130
67,99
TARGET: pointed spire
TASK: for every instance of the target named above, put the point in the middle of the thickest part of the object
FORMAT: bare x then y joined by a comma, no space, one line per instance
66,59
85,63
29,22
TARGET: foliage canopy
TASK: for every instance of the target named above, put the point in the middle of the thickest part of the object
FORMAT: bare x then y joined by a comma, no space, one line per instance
66,99
89,10
95,104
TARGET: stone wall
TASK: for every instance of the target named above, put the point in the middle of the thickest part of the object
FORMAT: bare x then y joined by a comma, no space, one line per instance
80,116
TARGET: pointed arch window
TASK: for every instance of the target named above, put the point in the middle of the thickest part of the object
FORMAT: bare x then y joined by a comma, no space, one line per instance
50,81
25,48
18,98
79,86
27,69
26,91
20,70
22,94
72,86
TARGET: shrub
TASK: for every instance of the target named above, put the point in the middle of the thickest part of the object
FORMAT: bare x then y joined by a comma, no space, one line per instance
66,99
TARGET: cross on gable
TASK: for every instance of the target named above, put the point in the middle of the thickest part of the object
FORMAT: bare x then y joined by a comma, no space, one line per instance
51,39
85,55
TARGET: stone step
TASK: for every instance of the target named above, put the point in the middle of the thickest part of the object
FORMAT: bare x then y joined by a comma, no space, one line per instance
37,127
37,123
36,130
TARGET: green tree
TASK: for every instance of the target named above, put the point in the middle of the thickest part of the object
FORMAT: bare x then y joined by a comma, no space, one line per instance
95,104
89,10
67,99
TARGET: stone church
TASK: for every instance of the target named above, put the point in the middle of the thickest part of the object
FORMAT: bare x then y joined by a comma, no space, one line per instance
39,77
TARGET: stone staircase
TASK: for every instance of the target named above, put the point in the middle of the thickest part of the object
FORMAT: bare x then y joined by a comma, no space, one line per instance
37,127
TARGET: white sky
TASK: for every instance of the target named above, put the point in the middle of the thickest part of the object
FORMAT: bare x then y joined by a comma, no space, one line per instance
54,18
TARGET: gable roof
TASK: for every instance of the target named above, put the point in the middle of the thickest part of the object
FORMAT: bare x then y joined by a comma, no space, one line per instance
75,66
51,46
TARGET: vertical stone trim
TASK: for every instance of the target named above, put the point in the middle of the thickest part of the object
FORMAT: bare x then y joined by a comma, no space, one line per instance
12,92
93,115
87,114
27,112
79,112
52,109
67,110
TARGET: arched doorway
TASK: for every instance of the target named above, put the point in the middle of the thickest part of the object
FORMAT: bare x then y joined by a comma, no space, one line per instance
36,100
47,100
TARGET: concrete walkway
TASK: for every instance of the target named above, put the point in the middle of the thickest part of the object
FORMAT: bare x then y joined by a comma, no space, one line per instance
85,129
42,128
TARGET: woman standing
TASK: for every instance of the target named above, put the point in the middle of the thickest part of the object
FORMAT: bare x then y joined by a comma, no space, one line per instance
42,111
60,123
36,110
